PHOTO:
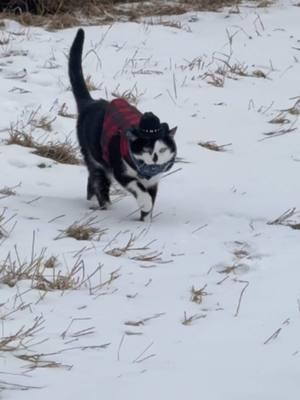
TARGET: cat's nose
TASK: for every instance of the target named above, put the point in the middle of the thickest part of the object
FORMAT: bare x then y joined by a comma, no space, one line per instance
155,158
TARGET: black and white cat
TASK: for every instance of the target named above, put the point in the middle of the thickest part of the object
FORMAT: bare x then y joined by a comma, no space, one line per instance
119,141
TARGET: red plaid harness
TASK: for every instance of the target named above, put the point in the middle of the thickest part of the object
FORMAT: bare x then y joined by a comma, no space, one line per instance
119,117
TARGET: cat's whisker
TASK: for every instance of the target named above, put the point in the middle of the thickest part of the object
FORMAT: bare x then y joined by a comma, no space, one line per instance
172,172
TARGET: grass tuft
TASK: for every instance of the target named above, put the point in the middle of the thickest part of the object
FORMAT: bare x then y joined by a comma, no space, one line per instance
132,95
83,230
62,152
197,295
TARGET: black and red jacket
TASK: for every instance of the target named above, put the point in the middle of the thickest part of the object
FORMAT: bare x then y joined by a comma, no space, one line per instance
120,116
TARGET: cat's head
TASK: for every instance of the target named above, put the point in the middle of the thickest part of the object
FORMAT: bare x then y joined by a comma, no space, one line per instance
152,146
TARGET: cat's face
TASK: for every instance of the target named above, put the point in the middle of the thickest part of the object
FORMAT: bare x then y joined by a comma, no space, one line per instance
154,155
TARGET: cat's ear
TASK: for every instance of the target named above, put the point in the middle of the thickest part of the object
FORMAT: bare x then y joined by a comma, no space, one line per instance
131,135
172,131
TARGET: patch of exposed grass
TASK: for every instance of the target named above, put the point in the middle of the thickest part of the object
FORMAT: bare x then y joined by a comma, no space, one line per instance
43,272
58,14
63,152
83,230
20,138
21,134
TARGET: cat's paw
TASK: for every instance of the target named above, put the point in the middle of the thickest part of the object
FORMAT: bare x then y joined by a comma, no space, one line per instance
146,216
105,205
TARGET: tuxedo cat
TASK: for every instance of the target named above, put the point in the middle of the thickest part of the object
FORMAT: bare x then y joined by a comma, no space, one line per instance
119,141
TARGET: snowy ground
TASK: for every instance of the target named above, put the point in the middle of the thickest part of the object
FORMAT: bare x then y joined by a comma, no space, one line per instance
205,302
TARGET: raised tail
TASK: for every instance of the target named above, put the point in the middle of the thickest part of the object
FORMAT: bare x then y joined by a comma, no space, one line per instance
79,88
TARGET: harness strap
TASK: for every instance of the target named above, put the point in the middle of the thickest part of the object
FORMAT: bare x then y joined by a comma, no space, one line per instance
119,117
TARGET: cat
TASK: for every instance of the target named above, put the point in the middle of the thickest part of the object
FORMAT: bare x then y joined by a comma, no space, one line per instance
118,141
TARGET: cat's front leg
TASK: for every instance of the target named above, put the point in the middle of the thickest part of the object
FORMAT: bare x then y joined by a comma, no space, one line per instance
143,197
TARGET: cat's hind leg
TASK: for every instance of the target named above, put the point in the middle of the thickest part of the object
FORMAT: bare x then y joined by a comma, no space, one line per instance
90,189
99,185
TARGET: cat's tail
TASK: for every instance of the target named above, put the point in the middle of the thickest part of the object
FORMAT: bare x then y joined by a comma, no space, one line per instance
79,88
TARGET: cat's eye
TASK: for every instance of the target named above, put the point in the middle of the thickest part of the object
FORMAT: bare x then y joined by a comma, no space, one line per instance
163,150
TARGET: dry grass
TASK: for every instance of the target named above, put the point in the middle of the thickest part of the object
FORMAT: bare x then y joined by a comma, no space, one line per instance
145,254
197,295
43,273
170,23
132,95
4,221
20,138
90,84
220,69
83,230
285,219
63,112
280,119
295,109
22,133
212,145
63,152
39,361
192,318
123,250
8,191
280,132
22,337
143,321
265,3
58,14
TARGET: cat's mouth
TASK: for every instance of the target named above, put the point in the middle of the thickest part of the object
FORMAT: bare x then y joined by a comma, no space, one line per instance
148,171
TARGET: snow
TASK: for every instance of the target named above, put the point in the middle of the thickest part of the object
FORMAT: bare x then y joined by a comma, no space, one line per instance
210,228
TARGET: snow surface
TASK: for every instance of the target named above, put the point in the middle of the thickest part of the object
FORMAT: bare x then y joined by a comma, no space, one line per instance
210,228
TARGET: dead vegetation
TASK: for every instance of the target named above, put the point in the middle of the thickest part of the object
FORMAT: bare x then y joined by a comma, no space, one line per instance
295,109
132,95
188,320
145,254
212,145
197,295
58,14
170,23
84,230
279,132
123,250
22,337
62,152
8,191
285,219
143,321
23,133
36,270
280,118
4,221
221,69
63,112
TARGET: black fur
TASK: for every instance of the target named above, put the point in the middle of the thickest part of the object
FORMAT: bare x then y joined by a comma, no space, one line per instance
89,128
